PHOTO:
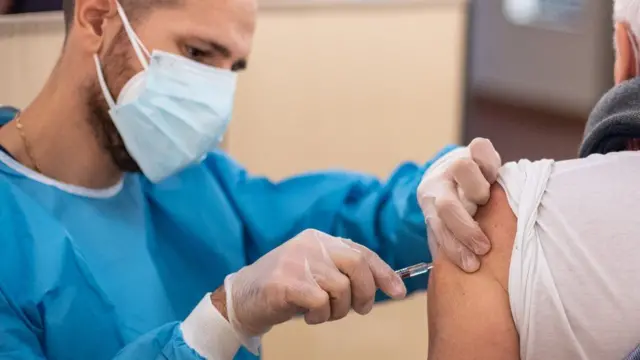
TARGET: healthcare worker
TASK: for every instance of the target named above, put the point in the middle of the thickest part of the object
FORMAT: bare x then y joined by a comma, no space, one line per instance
126,235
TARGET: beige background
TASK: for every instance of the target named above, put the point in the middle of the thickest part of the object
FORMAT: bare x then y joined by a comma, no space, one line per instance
356,86
345,86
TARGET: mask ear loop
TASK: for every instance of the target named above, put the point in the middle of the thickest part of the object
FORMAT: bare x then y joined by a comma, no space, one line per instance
103,83
137,45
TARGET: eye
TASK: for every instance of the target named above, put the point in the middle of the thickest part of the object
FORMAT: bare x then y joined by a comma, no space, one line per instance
196,54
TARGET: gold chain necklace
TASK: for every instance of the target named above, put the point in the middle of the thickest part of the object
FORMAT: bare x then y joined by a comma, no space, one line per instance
25,143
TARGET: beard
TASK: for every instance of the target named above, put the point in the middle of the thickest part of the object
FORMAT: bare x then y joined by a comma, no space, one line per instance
117,69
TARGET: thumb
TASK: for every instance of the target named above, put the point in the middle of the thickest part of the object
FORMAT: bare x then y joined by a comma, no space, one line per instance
384,276
485,155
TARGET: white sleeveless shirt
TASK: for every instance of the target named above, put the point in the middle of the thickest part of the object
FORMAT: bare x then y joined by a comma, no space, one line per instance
574,278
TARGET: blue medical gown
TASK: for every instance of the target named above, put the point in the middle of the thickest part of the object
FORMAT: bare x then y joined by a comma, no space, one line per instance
101,277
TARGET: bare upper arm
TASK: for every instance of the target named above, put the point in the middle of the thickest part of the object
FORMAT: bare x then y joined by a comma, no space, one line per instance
469,314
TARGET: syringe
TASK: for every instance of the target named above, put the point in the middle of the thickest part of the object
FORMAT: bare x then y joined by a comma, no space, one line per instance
414,270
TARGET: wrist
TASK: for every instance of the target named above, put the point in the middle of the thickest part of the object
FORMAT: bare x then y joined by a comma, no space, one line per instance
250,342
219,300
207,332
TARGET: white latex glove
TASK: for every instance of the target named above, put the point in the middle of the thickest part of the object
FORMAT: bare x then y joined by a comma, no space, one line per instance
449,195
315,274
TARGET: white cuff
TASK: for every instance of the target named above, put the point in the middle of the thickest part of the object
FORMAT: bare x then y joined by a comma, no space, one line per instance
250,343
207,332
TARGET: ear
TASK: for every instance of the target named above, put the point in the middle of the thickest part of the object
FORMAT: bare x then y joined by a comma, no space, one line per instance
90,20
626,62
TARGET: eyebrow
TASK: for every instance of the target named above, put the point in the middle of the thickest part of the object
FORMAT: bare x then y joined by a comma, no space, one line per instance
218,47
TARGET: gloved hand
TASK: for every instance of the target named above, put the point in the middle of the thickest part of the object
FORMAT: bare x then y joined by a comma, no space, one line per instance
449,195
315,274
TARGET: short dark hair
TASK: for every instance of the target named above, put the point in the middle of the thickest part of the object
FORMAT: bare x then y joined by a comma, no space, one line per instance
133,8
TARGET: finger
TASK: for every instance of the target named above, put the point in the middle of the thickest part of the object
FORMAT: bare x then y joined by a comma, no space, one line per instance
425,200
426,197
317,303
466,173
311,299
338,286
306,294
460,224
485,155
458,253
446,244
352,263
469,206
384,277
432,230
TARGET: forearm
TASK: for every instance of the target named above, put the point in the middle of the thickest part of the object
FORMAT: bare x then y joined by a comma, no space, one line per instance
383,216
207,329
205,333
165,342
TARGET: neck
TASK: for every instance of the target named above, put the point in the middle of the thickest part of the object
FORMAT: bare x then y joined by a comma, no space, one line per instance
62,142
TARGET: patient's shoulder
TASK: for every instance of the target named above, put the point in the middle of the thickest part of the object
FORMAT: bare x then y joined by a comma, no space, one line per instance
576,235
498,222
496,217
469,314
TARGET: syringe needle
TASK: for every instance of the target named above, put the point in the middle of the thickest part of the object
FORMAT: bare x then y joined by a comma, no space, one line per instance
414,270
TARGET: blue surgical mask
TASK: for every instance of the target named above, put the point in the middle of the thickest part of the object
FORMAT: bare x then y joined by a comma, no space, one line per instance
173,112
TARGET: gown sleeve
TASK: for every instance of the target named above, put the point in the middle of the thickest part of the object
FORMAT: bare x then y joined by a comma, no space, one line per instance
381,215
210,334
